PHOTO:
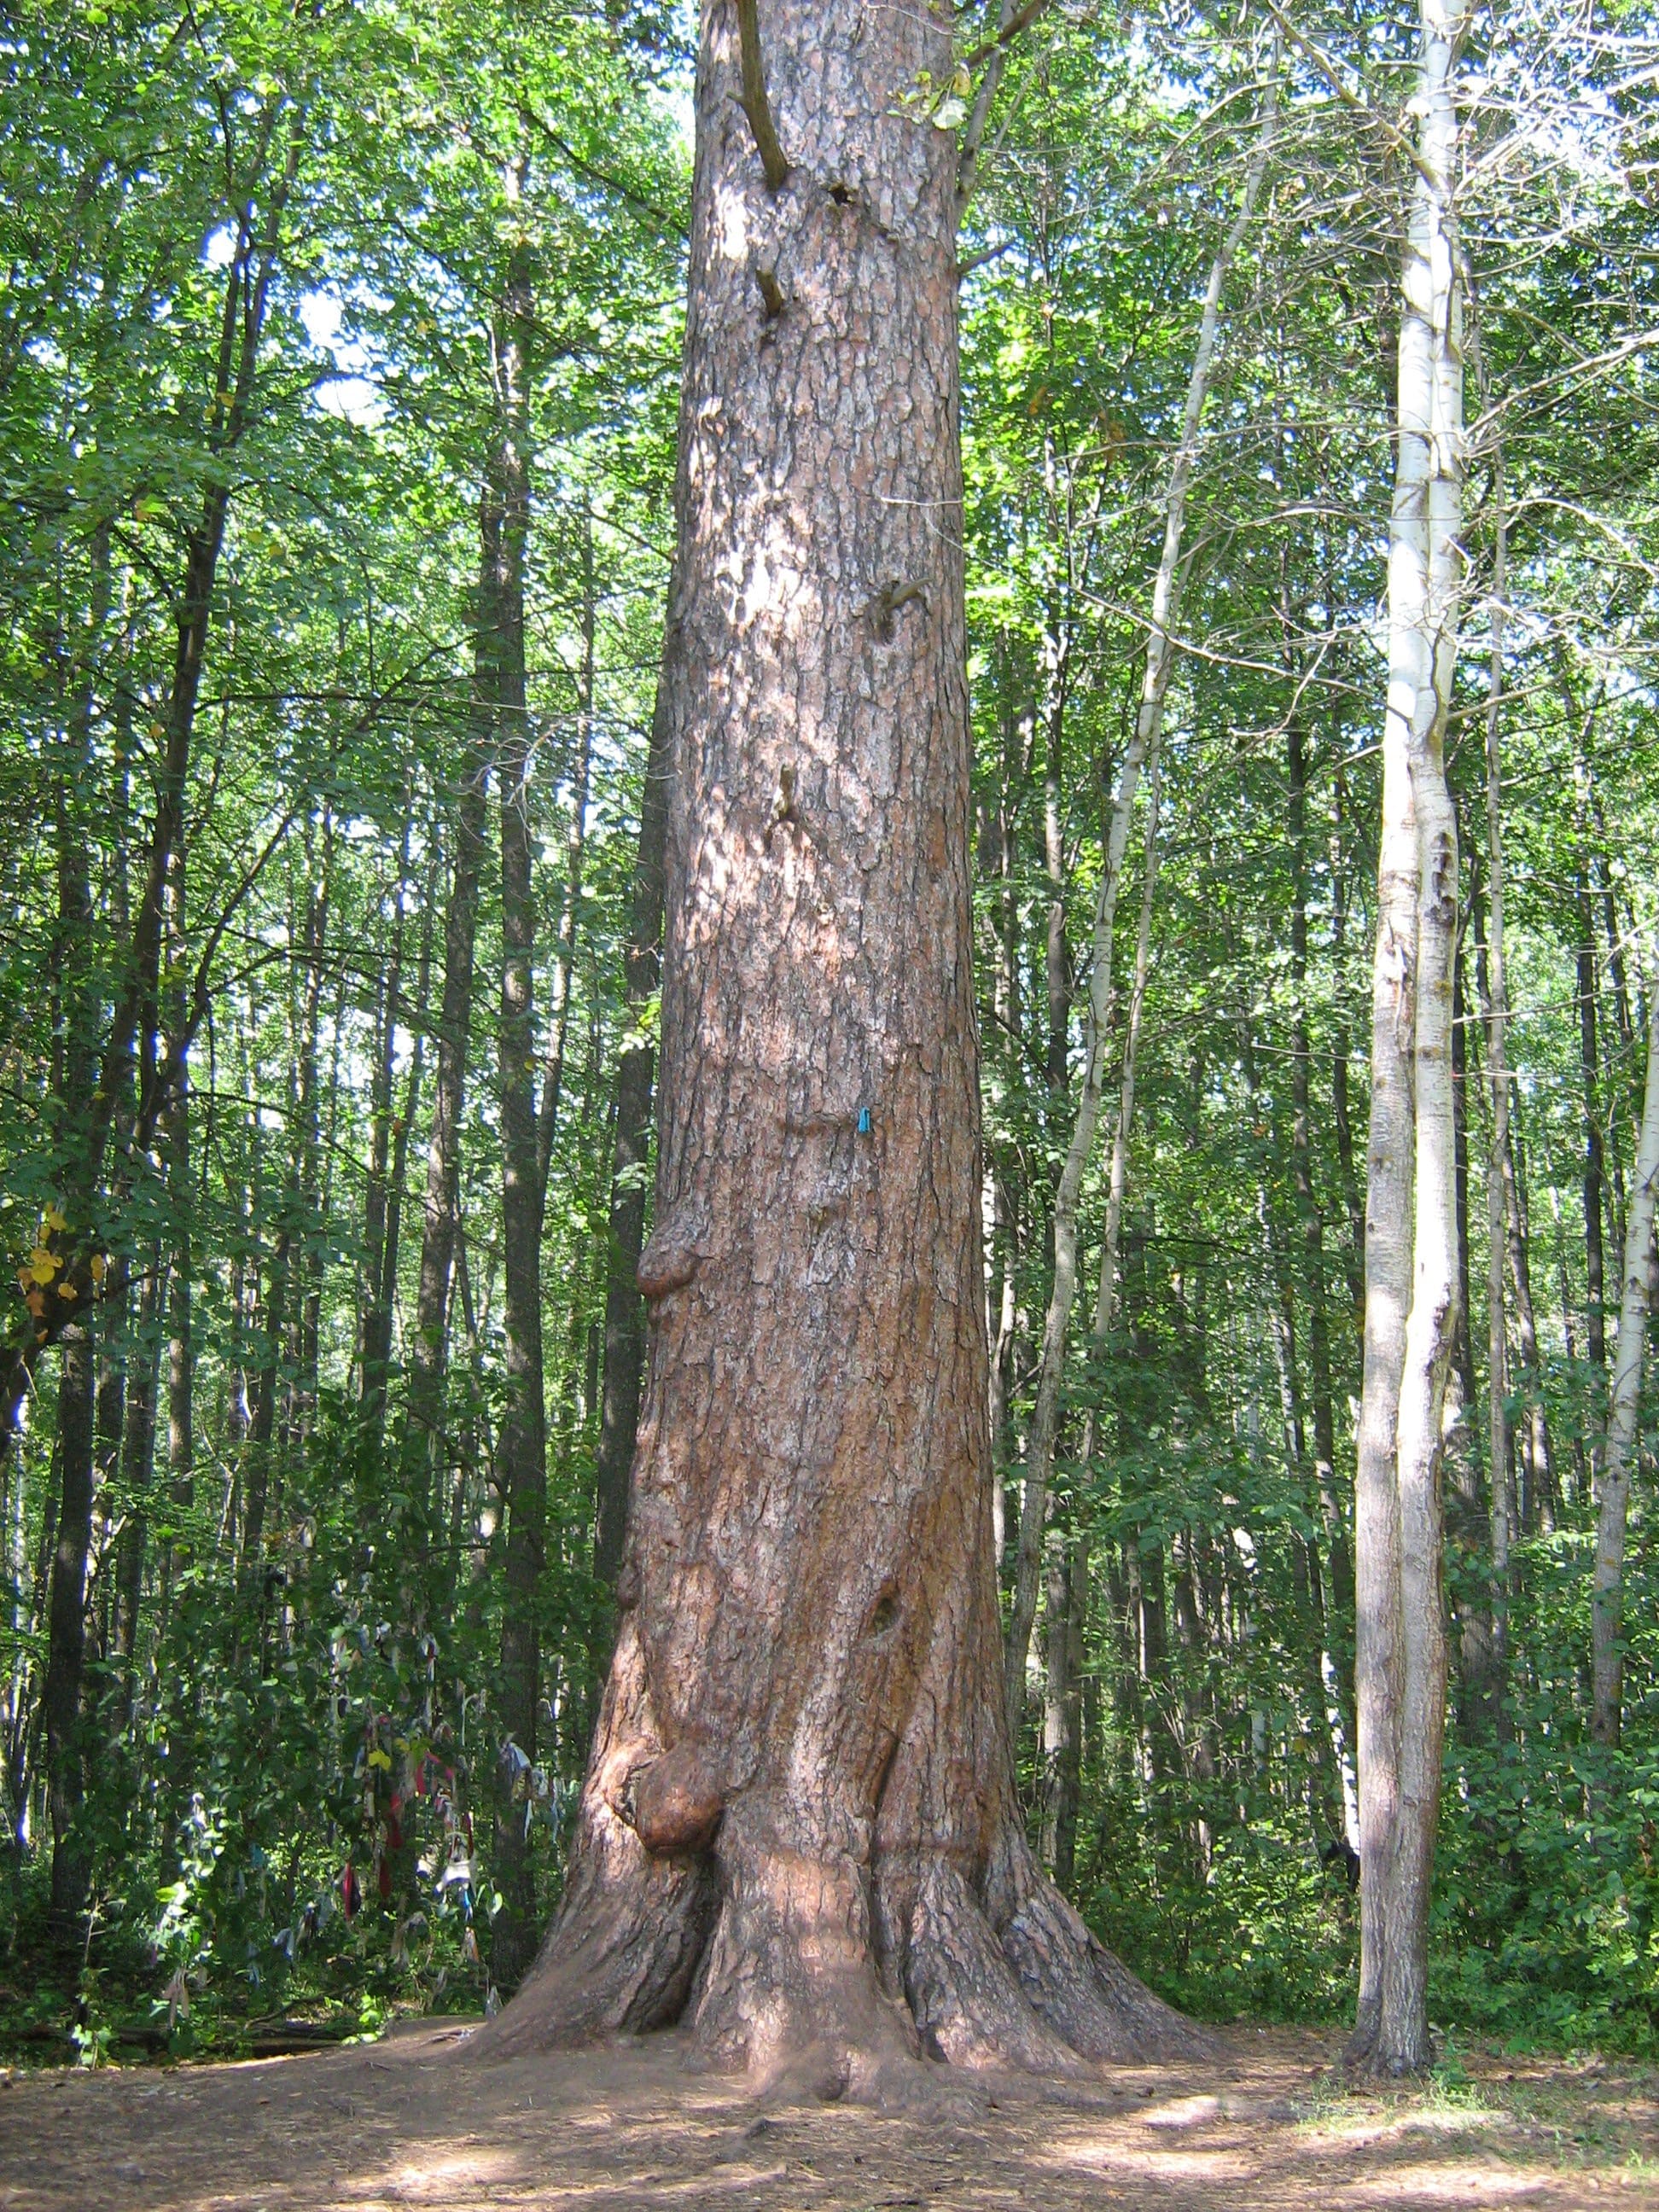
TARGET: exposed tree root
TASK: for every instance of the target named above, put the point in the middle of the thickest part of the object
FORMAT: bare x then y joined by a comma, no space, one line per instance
832,1978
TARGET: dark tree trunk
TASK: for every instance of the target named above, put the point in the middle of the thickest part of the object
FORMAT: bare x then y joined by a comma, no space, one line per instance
143,1357
1339,1613
374,1325
398,1182
1065,1599
66,1631
799,1823
624,1309
1594,1177
136,1012
422,1454
522,1454
1469,1507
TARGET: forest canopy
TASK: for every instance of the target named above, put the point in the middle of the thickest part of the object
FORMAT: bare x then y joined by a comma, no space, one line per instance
343,453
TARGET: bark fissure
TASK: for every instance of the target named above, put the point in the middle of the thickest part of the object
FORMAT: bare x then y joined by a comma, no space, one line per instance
799,1831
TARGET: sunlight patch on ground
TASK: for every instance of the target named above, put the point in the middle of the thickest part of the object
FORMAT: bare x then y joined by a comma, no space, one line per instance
1445,2184
435,2178
1109,2157
1184,2112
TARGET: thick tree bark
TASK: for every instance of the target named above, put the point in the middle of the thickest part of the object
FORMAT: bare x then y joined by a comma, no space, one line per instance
1411,1223
1618,1458
799,1826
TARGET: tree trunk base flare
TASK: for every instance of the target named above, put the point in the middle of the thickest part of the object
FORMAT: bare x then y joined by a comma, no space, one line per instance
799,1836
1388,2050
829,1974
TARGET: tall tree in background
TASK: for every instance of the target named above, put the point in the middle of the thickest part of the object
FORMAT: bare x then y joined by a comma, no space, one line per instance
1411,1217
1618,1456
794,1816
1142,751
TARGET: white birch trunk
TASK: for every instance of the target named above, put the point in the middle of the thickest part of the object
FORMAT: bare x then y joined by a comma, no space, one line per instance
1410,1230
1143,746
1613,1492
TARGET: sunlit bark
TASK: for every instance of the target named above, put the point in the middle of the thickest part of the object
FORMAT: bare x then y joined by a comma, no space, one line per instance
1411,1223
798,1827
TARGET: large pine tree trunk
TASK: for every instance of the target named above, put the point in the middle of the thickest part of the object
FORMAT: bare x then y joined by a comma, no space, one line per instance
799,1828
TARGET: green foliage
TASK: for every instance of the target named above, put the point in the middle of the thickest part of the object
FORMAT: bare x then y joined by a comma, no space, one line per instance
320,1692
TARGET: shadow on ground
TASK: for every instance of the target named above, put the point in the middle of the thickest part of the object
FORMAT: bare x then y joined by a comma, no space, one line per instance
402,2125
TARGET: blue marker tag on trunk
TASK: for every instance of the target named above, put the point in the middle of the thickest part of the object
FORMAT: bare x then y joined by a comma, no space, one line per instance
864,1121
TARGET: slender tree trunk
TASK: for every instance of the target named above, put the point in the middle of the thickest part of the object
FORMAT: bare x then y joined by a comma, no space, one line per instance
248,287
374,1324
1064,1600
1618,1457
1594,1175
521,1456
306,1201
1353,1245
1118,1181
180,1361
1143,744
624,1307
564,956
1469,1517
143,1355
1499,1164
798,1822
1338,1615
73,1061
397,1179
423,1447
1411,1222
60,1696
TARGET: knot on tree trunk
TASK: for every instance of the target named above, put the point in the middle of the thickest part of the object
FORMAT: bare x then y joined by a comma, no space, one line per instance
677,1800
673,1252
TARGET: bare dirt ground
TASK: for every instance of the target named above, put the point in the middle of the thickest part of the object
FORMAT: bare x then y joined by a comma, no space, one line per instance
401,2124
